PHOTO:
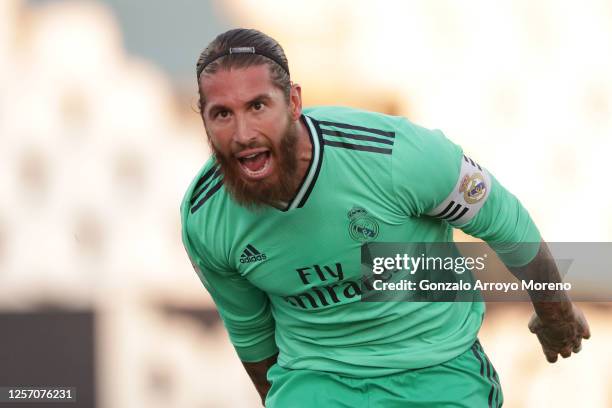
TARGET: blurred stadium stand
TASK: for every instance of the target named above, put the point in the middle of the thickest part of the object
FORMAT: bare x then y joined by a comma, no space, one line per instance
98,142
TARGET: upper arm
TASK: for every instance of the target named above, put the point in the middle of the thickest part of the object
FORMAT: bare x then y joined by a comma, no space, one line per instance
244,309
434,178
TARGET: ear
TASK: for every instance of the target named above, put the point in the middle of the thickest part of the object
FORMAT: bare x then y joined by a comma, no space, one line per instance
295,101
200,111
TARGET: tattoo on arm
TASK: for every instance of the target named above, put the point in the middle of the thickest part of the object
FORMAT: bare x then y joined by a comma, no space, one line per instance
550,305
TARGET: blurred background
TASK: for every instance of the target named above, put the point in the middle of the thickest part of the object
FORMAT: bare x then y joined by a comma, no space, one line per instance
99,139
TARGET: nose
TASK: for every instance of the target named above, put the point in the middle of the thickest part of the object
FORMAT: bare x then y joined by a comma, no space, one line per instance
242,133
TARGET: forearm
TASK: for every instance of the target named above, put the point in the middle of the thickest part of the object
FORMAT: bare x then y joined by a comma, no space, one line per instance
258,371
506,226
549,305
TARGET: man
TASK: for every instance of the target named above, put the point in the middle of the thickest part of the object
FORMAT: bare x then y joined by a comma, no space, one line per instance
274,224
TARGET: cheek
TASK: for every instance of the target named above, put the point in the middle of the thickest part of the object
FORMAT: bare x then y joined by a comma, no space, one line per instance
277,126
219,147
219,138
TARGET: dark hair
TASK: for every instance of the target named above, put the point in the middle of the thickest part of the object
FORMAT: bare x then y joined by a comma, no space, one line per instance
216,56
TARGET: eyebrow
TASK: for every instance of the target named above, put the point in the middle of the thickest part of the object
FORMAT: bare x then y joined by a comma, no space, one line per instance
260,97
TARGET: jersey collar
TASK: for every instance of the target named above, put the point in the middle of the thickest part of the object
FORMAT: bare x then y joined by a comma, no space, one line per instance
314,167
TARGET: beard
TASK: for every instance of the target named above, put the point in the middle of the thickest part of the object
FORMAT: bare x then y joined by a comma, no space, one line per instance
256,195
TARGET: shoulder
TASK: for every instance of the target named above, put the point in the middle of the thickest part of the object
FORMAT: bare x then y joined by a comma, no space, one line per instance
385,133
203,202
343,115
332,119
202,189
356,130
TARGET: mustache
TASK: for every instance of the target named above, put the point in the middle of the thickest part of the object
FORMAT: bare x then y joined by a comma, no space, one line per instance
256,196
240,147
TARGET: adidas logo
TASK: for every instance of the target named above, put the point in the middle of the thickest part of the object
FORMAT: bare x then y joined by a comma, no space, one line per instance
250,254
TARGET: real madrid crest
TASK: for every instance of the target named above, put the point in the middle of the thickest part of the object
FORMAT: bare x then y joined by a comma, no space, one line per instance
362,226
473,188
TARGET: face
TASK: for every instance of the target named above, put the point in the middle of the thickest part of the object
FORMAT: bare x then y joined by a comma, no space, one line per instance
253,133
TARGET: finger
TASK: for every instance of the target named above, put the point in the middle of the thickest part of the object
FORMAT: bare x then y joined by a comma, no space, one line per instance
566,352
534,324
551,356
533,328
577,344
586,331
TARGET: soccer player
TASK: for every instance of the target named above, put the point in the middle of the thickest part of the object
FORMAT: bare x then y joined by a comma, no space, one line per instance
275,220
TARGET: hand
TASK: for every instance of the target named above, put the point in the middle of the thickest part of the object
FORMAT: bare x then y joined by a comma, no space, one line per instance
562,336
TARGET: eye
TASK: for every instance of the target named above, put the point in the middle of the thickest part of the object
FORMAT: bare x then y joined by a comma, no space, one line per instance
223,114
257,105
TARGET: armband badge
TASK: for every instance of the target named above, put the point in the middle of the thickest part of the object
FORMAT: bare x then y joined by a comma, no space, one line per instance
473,188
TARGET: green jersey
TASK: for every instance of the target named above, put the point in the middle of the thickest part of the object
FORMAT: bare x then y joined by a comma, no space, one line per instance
287,280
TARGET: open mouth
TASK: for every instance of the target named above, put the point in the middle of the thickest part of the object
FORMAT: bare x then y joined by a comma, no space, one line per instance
255,163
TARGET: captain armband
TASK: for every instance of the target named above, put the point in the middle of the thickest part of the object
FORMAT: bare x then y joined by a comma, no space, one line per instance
467,197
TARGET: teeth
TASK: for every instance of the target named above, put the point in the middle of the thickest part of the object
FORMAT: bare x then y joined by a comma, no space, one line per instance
259,172
250,156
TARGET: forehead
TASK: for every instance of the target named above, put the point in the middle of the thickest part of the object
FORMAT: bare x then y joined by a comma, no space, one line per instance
236,85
